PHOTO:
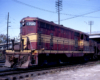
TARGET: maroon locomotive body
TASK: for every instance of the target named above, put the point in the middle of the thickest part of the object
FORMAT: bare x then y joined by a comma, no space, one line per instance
47,43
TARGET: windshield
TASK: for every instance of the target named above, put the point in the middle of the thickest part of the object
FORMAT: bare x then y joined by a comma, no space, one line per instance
22,24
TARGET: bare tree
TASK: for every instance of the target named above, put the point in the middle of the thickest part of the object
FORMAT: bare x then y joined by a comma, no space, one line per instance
3,38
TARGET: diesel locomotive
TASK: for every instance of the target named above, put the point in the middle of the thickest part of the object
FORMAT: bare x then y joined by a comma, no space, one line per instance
46,43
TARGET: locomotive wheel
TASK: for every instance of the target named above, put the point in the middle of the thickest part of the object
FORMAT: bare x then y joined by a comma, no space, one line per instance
60,62
95,57
43,63
86,58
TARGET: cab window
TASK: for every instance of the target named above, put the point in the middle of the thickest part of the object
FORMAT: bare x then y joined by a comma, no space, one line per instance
22,24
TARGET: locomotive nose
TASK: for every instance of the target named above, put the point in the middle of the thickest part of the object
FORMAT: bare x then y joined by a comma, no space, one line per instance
17,59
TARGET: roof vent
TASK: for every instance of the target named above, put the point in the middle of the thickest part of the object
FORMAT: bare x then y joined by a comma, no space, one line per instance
61,25
51,21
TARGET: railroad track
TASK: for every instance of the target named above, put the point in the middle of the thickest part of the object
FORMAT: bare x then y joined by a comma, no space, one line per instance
29,74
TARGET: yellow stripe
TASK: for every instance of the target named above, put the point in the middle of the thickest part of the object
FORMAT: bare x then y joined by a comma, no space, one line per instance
9,51
32,37
46,39
24,51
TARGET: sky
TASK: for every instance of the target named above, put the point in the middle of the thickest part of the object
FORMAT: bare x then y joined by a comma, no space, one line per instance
75,14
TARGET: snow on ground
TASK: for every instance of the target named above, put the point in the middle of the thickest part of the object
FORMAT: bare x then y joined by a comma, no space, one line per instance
85,73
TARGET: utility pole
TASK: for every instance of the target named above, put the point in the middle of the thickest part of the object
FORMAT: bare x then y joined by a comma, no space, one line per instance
7,28
90,23
59,8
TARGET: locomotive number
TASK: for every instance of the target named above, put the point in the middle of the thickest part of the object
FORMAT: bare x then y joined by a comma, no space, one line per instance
31,23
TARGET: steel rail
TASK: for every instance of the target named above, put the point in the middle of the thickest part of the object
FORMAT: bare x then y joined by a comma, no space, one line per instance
23,74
